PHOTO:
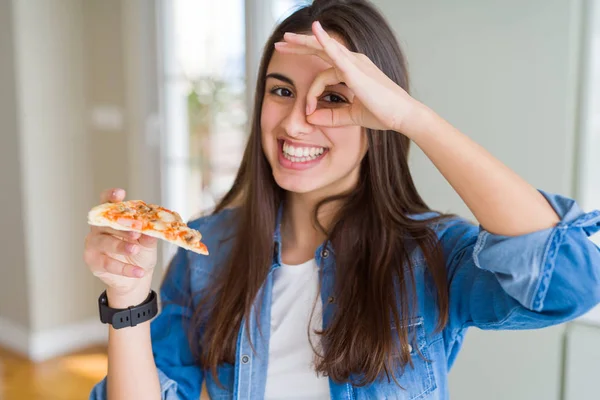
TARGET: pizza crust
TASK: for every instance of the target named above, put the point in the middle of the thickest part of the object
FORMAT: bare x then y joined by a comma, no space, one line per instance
167,220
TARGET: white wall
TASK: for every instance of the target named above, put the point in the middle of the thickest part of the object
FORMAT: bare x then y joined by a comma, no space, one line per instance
505,73
62,61
53,154
55,170
583,363
14,303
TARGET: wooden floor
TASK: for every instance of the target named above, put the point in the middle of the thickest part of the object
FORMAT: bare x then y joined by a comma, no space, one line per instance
64,378
70,377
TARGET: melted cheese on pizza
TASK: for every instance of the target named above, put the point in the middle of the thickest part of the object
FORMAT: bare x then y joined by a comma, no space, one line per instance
156,218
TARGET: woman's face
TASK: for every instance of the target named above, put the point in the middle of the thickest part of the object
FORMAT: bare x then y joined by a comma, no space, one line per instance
306,158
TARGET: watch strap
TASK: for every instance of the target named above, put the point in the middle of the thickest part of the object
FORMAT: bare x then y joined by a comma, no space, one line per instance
130,316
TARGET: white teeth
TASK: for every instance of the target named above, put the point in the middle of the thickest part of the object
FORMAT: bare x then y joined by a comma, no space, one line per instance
301,154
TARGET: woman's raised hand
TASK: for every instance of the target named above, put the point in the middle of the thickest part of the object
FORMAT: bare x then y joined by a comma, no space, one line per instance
379,102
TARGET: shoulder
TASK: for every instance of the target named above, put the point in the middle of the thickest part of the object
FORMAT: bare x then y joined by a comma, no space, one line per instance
446,225
453,232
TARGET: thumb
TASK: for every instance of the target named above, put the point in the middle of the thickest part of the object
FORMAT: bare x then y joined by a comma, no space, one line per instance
112,195
331,117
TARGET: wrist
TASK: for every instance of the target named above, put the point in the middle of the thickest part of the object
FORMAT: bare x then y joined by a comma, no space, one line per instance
117,299
417,121
124,314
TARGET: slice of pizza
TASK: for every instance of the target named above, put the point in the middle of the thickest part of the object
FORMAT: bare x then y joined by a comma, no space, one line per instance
153,220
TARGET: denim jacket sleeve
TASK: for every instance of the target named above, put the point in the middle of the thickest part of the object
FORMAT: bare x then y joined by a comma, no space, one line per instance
180,378
523,282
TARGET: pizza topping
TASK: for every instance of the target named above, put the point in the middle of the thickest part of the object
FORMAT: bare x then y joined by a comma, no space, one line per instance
166,217
159,225
192,237
129,222
143,208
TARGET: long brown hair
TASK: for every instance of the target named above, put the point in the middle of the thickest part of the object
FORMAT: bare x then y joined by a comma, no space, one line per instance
372,233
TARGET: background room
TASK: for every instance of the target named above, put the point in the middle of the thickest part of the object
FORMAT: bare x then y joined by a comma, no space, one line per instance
153,96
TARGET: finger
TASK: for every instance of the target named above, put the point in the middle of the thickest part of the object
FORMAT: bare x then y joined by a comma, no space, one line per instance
326,78
148,241
110,265
289,48
112,195
334,49
321,45
126,235
313,42
309,41
105,243
332,117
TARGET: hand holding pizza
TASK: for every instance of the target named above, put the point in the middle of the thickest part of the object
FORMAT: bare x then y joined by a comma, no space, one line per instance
121,247
124,260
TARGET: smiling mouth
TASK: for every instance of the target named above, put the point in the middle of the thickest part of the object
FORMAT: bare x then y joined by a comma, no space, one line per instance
301,154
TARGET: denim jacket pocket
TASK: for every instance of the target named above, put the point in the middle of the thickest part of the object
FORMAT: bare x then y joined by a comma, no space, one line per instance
414,383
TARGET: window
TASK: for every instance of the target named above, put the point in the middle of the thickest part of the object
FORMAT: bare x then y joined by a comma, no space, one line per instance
204,103
205,48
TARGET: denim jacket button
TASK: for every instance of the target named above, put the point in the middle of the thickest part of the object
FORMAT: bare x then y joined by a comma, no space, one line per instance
245,359
331,299
325,253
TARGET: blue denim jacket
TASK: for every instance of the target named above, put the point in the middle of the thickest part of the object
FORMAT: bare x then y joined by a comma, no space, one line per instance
496,282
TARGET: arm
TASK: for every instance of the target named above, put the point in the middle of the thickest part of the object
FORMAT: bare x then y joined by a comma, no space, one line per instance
502,201
154,357
131,369
529,281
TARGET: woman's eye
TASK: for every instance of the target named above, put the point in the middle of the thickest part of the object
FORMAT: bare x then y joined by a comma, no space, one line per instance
283,92
333,98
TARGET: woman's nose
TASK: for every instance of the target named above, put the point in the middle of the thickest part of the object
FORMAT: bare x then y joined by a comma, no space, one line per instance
295,123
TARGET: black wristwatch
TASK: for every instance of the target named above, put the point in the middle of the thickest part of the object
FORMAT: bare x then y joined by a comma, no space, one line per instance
130,316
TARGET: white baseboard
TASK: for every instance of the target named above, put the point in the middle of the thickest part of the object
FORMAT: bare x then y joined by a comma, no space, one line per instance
43,345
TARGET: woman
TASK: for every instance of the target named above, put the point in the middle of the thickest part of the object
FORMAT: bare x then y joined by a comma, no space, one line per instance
329,277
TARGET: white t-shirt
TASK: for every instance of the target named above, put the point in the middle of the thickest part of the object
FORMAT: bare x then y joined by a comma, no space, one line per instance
291,373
